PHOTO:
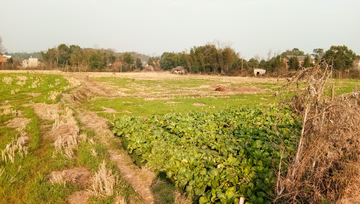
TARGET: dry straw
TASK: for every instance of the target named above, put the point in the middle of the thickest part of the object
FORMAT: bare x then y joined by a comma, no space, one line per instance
326,165
103,182
7,80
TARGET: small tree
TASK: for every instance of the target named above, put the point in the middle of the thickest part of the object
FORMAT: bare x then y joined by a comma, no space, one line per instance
139,64
341,56
253,63
293,63
307,62
96,62
151,61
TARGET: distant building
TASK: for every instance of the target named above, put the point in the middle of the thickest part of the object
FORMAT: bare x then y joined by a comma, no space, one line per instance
301,60
258,71
7,56
31,62
2,60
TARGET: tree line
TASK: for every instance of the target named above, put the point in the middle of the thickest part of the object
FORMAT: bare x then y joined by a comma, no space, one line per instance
87,59
213,59
210,58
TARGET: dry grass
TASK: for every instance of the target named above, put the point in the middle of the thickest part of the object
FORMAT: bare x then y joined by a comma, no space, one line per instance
46,111
103,182
22,80
15,91
53,95
7,110
79,176
18,122
65,132
7,80
326,165
16,147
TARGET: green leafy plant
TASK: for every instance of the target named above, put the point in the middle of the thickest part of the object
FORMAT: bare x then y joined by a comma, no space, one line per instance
215,157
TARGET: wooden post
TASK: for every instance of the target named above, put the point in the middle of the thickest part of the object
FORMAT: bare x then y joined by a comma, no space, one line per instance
332,92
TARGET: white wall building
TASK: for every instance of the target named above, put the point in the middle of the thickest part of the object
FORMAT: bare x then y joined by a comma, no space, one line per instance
31,62
258,71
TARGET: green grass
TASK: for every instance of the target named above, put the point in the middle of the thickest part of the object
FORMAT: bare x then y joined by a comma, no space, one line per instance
141,107
43,88
23,180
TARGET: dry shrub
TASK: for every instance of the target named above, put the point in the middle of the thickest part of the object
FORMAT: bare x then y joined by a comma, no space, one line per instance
103,182
326,165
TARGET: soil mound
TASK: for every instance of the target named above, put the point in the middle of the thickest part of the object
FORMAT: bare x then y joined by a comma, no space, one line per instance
79,197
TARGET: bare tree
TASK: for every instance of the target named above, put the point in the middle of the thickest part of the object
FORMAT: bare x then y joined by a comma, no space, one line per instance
269,54
2,48
257,57
222,44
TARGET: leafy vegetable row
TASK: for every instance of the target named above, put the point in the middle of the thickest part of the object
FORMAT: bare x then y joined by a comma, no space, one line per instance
215,157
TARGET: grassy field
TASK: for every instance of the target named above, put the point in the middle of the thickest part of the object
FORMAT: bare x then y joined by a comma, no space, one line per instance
25,169
145,95
29,156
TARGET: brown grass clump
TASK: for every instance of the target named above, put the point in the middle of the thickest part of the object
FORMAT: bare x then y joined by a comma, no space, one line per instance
79,176
46,111
103,182
16,146
65,132
18,122
326,165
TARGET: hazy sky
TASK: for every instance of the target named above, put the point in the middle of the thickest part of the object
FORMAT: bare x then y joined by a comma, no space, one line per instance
157,26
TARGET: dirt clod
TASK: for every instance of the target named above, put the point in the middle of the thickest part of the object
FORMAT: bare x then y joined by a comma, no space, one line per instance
79,197
220,89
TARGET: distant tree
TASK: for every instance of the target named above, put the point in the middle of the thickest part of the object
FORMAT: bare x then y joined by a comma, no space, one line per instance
139,64
253,63
10,61
293,52
170,60
341,56
263,64
293,63
151,61
2,48
128,58
318,54
307,61
64,55
229,57
50,57
96,62
76,55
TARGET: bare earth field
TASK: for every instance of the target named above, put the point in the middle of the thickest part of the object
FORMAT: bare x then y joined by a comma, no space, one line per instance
55,140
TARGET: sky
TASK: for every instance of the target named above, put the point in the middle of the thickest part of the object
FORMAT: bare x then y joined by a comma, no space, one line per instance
252,27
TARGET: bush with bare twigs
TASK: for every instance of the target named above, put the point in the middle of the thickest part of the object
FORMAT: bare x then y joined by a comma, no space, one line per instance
326,165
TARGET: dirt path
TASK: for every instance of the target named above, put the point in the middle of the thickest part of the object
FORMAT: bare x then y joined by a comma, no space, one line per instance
139,179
